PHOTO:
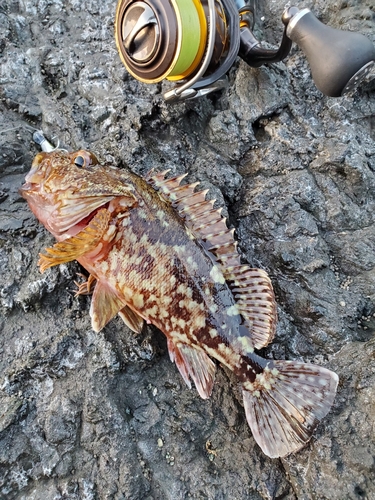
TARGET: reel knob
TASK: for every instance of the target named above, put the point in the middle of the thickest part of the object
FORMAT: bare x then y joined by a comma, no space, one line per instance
140,32
339,60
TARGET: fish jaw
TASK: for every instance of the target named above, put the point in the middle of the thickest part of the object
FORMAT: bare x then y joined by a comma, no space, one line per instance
40,206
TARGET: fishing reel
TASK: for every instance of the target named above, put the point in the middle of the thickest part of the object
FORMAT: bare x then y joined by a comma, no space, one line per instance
195,42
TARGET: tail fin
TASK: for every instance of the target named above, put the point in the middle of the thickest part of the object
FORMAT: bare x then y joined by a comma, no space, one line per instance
285,403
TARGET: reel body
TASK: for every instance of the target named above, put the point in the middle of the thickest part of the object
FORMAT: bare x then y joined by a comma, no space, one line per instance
191,42
194,43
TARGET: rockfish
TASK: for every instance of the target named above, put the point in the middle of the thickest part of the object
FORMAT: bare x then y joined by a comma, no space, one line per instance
158,251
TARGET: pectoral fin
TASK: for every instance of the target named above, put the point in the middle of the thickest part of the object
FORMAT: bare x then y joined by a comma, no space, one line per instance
78,245
104,306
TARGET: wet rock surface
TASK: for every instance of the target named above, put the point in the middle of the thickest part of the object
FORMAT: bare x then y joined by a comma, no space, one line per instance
107,416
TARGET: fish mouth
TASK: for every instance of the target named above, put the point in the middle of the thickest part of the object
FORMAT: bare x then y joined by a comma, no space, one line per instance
32,193
34,179
26,189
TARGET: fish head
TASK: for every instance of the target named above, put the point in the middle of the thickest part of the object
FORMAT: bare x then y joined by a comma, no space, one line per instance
65,190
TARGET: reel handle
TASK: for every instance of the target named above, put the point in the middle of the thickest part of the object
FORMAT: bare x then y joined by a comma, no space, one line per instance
251,50
339,60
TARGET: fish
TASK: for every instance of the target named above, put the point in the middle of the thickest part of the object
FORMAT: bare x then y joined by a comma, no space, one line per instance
157,251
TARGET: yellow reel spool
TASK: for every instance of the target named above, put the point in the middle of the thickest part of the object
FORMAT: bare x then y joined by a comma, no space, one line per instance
160,38
192,43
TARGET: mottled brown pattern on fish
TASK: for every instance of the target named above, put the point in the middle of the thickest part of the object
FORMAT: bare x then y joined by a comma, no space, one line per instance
152,271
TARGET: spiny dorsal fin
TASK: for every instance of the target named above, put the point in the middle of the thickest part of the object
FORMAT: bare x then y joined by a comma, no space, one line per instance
78,245
152,177
252,287
201,218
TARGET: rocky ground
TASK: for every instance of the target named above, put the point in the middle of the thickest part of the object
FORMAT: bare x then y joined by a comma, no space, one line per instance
107,416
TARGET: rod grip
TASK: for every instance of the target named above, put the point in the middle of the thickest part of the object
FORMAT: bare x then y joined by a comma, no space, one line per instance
338,59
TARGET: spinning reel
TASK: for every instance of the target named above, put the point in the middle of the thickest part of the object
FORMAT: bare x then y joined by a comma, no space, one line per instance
195,42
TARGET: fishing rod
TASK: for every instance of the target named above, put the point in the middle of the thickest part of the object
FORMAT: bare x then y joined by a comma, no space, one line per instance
194,43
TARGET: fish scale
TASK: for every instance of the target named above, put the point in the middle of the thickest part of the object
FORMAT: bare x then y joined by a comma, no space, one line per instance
158,251
180,269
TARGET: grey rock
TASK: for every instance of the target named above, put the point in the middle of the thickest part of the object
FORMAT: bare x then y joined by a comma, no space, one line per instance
107,416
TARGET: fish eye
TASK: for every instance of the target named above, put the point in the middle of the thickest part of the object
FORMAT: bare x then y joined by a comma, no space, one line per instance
79,161
84,159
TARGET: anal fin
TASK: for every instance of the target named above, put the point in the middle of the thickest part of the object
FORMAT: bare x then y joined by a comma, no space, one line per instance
195,364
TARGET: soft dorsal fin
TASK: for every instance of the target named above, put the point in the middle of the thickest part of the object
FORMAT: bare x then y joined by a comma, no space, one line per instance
195,364
253,292
252,288
78,245
105,304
